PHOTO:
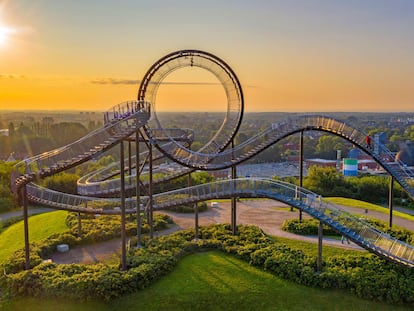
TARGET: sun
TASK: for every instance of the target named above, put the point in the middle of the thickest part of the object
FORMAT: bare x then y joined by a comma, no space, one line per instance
4,35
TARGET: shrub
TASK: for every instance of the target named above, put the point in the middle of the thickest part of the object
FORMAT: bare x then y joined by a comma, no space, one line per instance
310,227
202,207
306,227
366,275
63,182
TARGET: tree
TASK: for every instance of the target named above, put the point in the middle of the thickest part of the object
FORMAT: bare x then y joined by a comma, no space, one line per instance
328,145
67,132
63,182
11,129
24,131
326,181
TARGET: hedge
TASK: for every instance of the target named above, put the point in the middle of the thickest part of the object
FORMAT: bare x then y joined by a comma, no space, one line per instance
202,207
310,227
366,275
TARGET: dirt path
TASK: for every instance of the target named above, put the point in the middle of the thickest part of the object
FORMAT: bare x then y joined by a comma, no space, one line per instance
267,214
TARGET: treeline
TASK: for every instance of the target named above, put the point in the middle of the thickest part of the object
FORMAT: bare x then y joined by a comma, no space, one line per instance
67,181
64,182
28,140
327,181
7,199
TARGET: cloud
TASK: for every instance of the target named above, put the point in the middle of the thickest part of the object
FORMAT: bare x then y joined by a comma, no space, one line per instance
11,76
116,81
107,81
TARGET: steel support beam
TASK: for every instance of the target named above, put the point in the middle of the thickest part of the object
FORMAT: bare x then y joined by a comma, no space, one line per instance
129,161
151,191
123,231
390,197
300,167
320,238
196,220
80,223
233,198
137,188
26,228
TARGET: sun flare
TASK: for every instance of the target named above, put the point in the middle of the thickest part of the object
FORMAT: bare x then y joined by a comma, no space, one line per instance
4,33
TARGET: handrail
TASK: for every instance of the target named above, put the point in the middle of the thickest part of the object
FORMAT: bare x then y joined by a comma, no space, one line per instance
277,132
352,227
82,150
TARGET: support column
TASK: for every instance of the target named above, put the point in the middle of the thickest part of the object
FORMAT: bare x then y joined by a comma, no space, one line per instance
233,198
150,190
196,220
189,183
26,228
137,189
390,197
233,202
300,168
320,236
129,172
129,161
80,224
123,232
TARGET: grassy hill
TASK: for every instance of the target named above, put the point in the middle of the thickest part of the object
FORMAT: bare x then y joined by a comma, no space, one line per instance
216,281
40,227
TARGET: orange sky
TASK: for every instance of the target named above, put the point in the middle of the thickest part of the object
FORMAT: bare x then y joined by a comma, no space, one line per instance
324,56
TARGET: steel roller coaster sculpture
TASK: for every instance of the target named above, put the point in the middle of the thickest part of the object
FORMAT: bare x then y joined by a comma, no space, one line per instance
136,121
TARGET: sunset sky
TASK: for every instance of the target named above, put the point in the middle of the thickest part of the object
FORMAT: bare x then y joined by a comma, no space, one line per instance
293,55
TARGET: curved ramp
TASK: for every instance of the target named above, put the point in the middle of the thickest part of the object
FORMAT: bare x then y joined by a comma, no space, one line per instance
103,182
354,228
276,132
129,117
270,136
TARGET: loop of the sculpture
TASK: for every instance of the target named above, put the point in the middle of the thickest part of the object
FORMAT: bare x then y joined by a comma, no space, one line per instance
194,58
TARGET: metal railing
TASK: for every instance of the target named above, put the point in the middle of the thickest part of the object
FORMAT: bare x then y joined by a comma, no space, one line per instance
356,229
94,143
270,136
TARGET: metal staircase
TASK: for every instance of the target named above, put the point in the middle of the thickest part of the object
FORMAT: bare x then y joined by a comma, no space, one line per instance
273,134
49,163
352,227
129,117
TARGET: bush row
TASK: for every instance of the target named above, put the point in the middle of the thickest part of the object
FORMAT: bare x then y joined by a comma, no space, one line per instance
310,227
306,227
202,207
94,229
365,275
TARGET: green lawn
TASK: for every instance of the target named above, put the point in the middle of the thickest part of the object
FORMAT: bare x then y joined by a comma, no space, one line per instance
40,227
216,281
366,205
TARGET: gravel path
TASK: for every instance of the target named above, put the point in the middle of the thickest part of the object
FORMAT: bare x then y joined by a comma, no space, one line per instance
267,214
31,211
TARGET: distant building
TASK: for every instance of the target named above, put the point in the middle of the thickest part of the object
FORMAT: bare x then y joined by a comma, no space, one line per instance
350,167
406,154
320,162
291,146
356,153
360,164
